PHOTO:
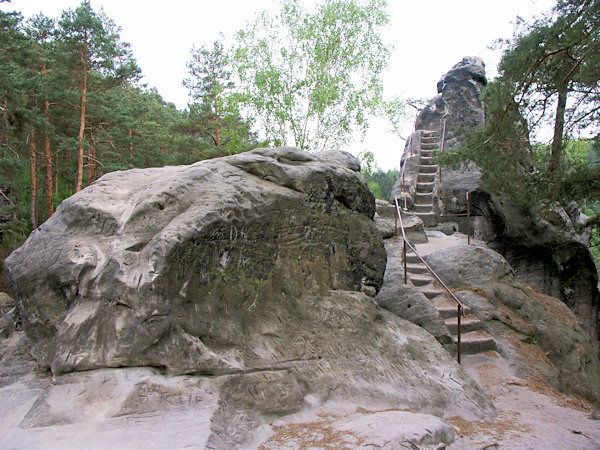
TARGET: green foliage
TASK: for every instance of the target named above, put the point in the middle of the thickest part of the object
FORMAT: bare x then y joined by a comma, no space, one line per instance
214,112
549,76
394,110
42,62
380,182
312,77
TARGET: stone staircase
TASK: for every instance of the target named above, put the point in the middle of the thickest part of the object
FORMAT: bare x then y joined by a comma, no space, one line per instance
473,338
430,141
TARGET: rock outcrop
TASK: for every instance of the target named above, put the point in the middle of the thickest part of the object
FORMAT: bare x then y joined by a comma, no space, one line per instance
537,333
237,283
164,267
458,101
551,255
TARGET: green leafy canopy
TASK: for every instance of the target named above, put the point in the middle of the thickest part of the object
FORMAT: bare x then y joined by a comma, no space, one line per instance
311,78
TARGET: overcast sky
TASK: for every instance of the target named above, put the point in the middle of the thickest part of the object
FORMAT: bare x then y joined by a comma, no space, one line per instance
428,36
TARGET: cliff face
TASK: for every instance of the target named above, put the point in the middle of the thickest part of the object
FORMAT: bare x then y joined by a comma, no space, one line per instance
552,257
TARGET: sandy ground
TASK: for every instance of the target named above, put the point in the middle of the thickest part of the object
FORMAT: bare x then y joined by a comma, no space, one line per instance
531,414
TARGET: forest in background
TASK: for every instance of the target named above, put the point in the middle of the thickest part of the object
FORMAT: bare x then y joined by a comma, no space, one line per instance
72,107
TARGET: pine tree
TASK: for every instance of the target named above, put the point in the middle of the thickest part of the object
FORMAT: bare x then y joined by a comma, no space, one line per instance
549,76
214,111
96,59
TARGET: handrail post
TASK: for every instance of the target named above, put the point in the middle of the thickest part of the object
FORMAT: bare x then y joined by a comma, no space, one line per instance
458,313
404,262
443,138
468,219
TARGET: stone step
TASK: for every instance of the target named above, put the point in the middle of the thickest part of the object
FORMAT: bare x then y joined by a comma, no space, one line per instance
430,140
423,198
421,279
411,258
430,133
416,267
423,207
425,187
426,177
467,324
429,146
475,342
426,153
428,168
448,311
429,219
432,292
426,161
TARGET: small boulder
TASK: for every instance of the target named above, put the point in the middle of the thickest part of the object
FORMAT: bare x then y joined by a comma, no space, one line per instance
468,265
411,304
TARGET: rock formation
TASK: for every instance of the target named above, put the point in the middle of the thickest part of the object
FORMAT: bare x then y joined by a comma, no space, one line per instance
237,283
146,262
537,333
551,257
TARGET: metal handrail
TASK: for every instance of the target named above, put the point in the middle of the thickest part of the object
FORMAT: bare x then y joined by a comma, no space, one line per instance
460,308
405,156
443,138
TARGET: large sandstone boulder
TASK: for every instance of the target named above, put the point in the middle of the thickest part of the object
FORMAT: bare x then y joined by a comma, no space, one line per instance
468,265
170,266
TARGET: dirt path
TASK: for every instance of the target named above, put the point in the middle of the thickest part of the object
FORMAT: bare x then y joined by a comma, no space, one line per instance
531,414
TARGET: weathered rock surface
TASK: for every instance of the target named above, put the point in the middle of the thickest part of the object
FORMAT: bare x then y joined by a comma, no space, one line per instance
165,267
411,304
385,220
236,282
400,427
468,265
537,333
458,100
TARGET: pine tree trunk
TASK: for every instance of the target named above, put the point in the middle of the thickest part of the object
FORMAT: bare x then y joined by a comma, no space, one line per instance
559,126
80,153
56,164
91,165
49,203
48,182
33,174
218,127
5,117
130,133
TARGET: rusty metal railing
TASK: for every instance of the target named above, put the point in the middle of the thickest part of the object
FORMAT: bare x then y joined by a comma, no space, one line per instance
467,214
442,140
405,156
460,308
